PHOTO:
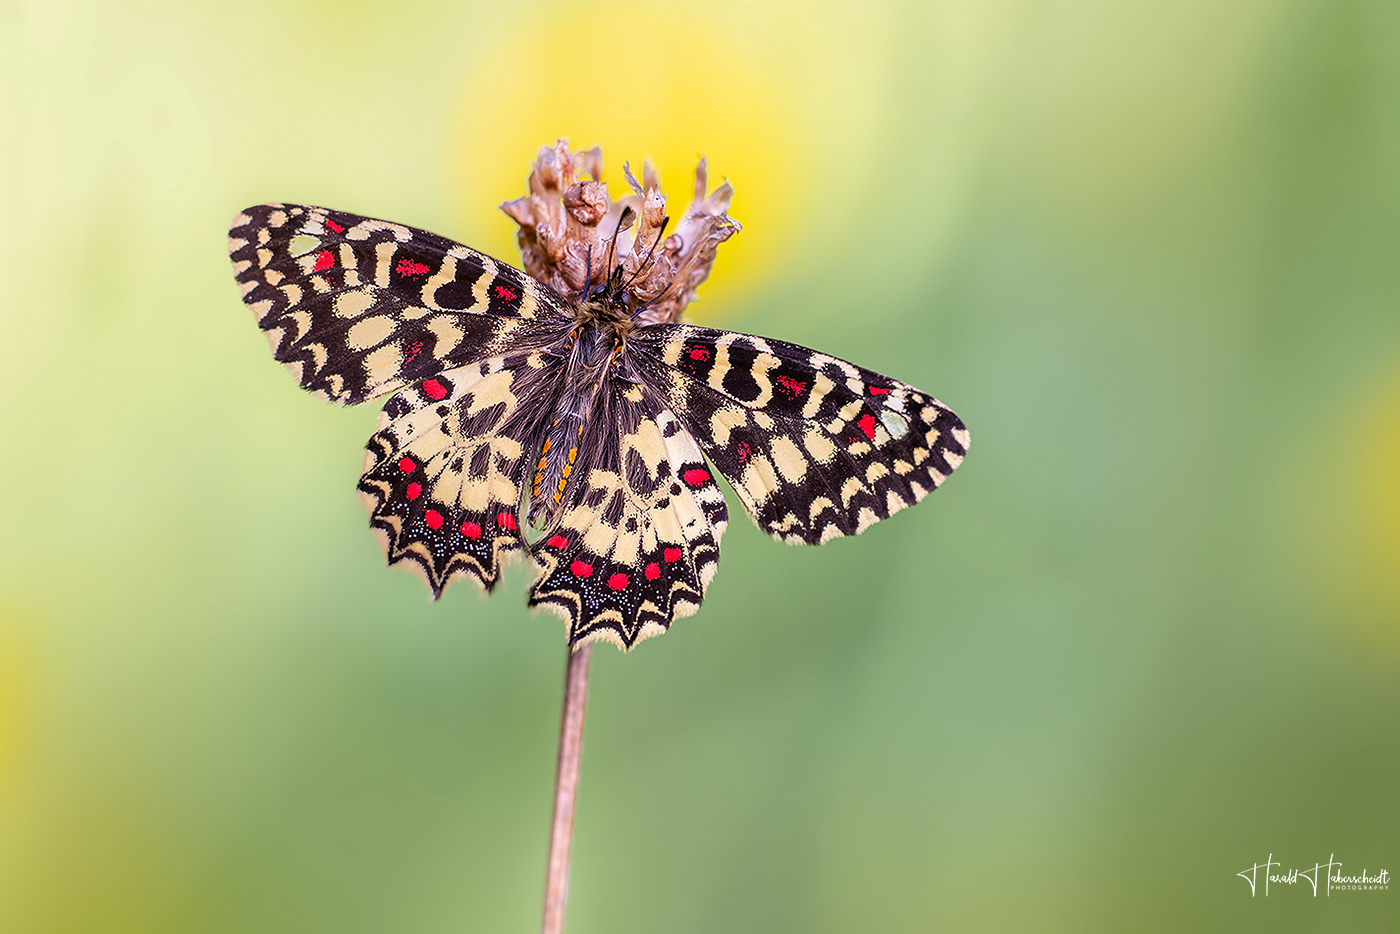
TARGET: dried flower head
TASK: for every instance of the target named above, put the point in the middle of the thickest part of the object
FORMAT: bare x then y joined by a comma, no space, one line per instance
573,235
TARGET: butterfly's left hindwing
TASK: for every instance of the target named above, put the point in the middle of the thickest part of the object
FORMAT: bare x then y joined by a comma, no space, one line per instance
443,472
358,307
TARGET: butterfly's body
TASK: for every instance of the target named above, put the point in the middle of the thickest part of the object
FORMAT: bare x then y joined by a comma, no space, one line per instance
585,364
510,400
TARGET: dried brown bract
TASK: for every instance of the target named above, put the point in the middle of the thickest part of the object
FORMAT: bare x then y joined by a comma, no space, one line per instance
568,224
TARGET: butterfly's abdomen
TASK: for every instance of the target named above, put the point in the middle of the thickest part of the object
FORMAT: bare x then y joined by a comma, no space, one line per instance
585,358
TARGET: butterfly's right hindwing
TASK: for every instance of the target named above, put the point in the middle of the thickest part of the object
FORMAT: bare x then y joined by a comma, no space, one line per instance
639,541
358,307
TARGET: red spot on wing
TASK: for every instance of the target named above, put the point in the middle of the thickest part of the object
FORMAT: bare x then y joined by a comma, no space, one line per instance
879,390
695,476
324,260
433,389
617,581
434,519
557,541
414,491
411,350
793,387
506,520
408,267
507,293
581,569
653,571
867,425
334,226
744,451
699,353
471,530
671,555
407,465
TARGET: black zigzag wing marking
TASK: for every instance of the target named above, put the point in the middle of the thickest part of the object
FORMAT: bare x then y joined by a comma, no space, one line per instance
814,446
358,307
639,541
444,471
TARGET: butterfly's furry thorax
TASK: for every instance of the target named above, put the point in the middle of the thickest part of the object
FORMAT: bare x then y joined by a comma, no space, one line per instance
608,315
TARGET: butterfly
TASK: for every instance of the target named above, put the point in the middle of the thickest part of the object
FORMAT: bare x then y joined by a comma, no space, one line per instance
521,421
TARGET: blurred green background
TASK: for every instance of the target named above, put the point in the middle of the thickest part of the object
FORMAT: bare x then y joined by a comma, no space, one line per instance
1148,635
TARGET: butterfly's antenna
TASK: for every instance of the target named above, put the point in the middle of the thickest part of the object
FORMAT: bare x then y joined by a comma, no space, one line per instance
674,283
588,272
624,218
657,299
646,259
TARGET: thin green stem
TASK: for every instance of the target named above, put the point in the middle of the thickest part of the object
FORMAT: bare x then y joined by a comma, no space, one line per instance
556,887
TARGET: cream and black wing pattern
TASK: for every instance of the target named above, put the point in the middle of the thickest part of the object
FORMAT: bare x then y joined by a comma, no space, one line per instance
639,541
443,472
815,447
357,307
564,431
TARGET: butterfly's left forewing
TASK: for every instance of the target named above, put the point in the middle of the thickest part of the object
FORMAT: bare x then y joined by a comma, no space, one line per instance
358,307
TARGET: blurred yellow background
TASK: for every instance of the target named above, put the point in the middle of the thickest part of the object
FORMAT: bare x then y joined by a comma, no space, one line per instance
1148,635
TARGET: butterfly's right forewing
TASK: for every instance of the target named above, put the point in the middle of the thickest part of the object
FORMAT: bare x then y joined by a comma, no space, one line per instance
815,447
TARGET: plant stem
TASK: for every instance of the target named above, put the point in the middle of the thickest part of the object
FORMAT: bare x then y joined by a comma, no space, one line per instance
556,886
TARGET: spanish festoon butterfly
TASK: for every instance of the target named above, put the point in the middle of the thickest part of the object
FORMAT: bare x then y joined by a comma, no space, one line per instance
570,428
